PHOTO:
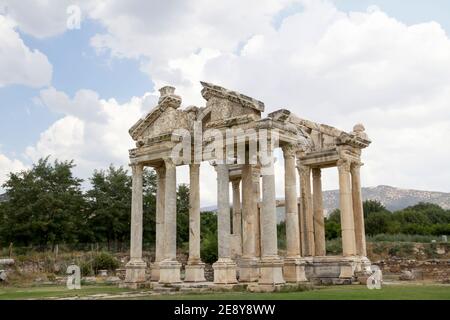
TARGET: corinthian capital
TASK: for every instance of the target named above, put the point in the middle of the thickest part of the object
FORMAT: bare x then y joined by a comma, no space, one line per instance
289,151
343,165
304,170
355,166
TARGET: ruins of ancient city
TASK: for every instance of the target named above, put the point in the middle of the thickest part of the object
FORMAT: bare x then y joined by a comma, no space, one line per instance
247,225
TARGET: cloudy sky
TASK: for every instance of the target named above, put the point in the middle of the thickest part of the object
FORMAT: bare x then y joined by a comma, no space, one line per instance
73,93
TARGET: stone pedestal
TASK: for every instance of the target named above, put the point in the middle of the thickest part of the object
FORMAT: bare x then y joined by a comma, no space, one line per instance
154,271
294,270
224,271
195,272
135,274
169,272
271,271
248,269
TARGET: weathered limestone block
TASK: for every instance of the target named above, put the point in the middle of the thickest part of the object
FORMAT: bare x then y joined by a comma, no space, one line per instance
224,272
294,270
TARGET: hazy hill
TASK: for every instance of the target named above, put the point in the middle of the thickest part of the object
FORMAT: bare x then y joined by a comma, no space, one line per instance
392,198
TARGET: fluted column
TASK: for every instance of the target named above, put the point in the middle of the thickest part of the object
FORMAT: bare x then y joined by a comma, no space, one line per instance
293,270
271,265
307,211
358,213
159,243
319,226
195,267
224,268
248,264
256,175
170,267
135,268
237,218
290,191
346,206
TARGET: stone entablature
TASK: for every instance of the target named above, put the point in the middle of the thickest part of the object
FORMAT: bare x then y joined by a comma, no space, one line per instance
247,241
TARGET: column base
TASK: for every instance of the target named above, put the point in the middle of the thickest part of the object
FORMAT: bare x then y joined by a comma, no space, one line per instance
248,270
169,272
154,271
135,271
271,271
294,270
224,271
348,267
195,272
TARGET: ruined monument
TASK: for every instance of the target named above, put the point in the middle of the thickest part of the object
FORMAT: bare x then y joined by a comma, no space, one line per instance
250,254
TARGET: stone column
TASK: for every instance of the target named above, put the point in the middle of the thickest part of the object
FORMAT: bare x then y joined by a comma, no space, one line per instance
346,206
135,268
319,226
159,243
248,264
224,267
307,212
294,267
170,267
358,213
237,219
271,266
195,267
256,176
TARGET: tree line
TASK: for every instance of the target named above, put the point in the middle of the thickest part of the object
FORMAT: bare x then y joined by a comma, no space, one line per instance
420,219
46,205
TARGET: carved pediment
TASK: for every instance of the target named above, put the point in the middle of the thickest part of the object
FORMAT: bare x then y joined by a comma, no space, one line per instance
162,119
223,104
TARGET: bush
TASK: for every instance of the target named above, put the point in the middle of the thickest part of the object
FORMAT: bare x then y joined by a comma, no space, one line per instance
86,268
104,261
402,250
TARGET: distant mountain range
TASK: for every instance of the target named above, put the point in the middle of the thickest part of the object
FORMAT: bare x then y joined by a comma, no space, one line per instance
392,198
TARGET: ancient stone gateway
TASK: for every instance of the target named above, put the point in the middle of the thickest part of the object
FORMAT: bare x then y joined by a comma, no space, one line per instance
231,134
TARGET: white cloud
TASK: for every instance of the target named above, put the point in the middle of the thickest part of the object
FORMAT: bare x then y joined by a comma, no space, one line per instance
7,166
19,64
323,64
93,131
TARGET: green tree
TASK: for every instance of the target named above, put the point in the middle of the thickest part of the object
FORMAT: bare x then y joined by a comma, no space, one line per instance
45,205
183,214
110,205
370,206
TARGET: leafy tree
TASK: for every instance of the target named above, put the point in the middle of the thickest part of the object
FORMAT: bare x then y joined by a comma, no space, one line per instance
149,198
208,233
370,206
183,214
45,205
110,205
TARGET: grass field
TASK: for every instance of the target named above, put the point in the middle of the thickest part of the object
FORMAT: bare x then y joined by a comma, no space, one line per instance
389,292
